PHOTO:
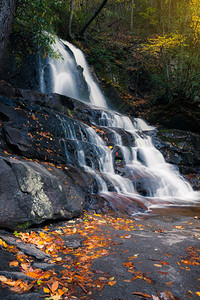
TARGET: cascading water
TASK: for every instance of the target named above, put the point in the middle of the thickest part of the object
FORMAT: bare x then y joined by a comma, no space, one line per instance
135,169
69,73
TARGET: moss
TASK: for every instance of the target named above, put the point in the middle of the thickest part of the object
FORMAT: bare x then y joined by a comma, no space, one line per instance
170,136
23,225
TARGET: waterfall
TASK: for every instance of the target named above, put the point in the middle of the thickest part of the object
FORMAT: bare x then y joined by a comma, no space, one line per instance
67,73
131,166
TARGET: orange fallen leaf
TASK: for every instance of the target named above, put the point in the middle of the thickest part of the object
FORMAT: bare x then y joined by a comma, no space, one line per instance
111,283
178,227
54,286
141,294
17,289
60,292
102,278
164,263
14,263
101,287
127,280
164,273
158,266
13,283
198,293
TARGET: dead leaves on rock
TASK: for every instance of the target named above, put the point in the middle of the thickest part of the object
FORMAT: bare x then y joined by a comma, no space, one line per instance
74,273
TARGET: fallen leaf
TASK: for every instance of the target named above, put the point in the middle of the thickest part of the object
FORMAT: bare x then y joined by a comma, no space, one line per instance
58,258
102,286
25,266
46,290
198,293
164,273
3,278
111,278
164,263
102,278
14,263
60,292
178,227
111,283
83,288
141,294
54,286
127,280
127,236
158,266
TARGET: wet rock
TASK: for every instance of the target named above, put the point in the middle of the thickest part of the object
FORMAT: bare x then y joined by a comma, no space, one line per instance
51,141
30,296
16,139
44,266
73,243
28,249
17,275
181,148
112,201
31,194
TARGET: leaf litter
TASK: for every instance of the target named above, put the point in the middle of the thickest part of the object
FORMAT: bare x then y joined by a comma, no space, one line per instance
75,272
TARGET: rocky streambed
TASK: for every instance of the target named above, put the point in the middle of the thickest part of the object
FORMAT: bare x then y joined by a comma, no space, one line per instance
36,183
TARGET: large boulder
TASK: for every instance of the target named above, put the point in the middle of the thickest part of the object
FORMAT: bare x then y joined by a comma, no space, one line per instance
30,194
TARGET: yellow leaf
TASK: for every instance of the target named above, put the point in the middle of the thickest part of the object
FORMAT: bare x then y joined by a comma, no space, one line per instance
198,293
111,278
46,290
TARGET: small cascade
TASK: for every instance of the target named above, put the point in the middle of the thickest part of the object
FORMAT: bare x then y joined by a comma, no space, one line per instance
115,150
96,96
70,75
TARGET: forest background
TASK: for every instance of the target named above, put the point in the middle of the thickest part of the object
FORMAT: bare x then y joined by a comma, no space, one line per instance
144,48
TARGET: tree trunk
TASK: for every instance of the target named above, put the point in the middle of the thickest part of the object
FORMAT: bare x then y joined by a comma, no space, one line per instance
169,15
132,10
70,18
7,11
81,33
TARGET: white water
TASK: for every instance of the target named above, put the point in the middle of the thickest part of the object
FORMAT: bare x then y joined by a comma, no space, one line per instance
142,162
96,96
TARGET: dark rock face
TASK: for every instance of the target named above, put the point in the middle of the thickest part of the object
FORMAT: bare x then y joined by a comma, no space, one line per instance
33,187
181,148
41,138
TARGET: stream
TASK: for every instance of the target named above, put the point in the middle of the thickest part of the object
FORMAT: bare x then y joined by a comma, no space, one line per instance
126,166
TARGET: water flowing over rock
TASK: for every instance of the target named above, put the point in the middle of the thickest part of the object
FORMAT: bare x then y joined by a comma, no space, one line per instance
60,155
